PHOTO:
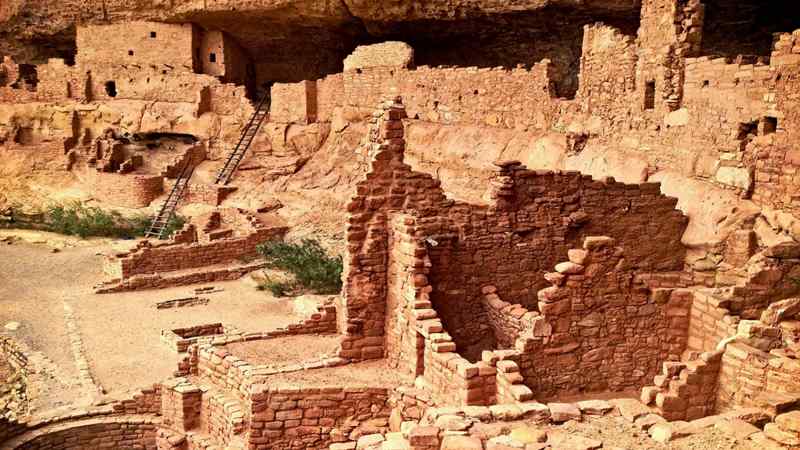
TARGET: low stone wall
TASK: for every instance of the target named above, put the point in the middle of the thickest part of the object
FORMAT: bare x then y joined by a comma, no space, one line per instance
157,281
112,432
313,418
151,259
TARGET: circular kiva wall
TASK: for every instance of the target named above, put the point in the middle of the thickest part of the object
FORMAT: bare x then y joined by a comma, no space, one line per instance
107,433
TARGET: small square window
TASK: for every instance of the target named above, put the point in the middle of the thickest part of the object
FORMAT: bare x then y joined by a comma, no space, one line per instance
130,52
212,57
152,34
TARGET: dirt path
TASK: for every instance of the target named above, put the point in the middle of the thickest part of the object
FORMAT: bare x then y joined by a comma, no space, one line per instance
119,333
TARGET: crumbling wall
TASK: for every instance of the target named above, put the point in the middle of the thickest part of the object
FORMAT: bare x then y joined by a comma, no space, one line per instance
600,329
101,433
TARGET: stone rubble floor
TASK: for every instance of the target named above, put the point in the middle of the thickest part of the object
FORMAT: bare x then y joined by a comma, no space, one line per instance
118,334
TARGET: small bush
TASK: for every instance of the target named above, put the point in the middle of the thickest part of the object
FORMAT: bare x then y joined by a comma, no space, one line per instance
308,262
79,220
277,288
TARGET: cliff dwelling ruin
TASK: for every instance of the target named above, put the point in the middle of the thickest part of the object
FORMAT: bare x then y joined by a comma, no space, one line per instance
362,225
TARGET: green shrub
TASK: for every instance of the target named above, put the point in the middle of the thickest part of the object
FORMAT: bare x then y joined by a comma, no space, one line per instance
83,221
277,288
308,262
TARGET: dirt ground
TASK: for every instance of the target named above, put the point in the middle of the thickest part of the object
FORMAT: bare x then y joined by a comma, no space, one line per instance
364,374
119,332
616,433
286,350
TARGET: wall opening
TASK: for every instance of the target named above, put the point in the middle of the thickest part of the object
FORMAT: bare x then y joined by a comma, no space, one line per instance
212,57
130,52
650,95
111,88
24,136
746,27
28,77
770,125
152,35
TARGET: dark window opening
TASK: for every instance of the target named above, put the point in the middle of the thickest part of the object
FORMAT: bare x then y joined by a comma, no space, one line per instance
706,83
770,125
650,95
747,130
746,27
24,136
152,35
28,77
3,78
130,52
212,57
111,88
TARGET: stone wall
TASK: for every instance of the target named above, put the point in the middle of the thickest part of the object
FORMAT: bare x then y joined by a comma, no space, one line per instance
385,54
147,258
710,322
222,57
138,43
312,418
98,433
608,71
753,377
490,96
600,329
129,191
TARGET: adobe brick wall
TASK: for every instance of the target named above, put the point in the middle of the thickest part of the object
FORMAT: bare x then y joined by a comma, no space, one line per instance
312,418
129,191
289,102
230,61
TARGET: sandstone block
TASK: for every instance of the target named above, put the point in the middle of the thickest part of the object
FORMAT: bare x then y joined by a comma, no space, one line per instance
776,433
369,442
630,409
461,443
569,268
562,412
789,421
528,435
577,256
736,428
595,407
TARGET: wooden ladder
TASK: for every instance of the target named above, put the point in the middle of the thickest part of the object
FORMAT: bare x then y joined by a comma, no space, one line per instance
167,211
248,134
